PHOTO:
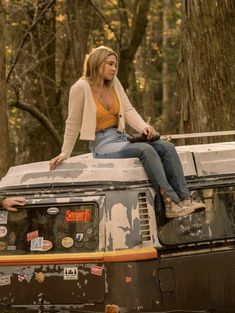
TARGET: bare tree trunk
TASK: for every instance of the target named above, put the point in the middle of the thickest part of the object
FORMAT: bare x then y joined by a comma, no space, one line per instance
166,110
207,67
78,30
132,42
39,90
4,138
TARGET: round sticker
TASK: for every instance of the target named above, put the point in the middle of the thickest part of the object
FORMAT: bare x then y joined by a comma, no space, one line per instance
3,231
40,277
89,231
47,245
67,242
52,210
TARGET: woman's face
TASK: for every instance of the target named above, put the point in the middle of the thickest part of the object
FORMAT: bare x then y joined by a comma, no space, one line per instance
109,69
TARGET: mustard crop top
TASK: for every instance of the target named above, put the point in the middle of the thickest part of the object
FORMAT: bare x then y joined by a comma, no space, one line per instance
106,118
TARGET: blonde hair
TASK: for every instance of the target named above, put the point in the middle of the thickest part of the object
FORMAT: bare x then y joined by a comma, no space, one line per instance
92,64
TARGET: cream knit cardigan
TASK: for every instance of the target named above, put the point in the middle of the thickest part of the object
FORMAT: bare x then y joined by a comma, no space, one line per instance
82,114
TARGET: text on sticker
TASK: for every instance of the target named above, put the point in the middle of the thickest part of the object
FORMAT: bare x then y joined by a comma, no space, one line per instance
78,216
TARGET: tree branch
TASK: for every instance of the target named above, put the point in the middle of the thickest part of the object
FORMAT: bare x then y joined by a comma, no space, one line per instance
49,4
41,118
106,21
138,29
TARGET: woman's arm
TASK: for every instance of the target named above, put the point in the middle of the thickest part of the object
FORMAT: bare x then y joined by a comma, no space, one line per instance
132,117
73,124
9,203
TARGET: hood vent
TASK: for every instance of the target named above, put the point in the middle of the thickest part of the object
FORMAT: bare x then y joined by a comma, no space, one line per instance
144,217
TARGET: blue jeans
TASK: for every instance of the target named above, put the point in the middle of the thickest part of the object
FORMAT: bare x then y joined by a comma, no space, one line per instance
159,159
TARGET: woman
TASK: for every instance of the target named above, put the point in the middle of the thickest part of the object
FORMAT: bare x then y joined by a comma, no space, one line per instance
98,110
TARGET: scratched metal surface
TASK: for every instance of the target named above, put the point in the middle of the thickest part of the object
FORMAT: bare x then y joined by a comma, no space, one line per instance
209,159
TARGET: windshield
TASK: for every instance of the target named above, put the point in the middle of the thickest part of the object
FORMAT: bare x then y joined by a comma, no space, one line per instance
215,223
49,229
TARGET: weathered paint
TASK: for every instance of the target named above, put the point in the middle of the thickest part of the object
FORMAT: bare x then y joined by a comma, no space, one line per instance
142,262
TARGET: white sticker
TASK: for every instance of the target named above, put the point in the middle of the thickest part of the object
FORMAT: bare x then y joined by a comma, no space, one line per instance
70,273
3,217
52,210
36,244
11,248
67,242
5,280
3,231
79,237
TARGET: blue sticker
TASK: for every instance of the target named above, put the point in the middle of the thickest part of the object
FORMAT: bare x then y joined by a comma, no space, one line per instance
36,244
79,237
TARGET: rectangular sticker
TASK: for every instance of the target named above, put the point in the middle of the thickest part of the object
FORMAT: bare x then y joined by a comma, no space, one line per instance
11,248
78,216
25,274
97,270
32,235
5,280
37,244
70,273
3,217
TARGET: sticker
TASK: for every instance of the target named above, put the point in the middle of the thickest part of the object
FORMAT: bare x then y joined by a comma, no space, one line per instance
67,242
25,274
52,211
79,237
128,279
96,270
3,245
11,248
32,235
40,277
3,217
5,280
20,276
37,244
78,216
47,245
70,273
11,238
3,231
89,231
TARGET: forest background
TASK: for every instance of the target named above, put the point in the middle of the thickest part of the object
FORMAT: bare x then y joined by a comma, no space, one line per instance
176,63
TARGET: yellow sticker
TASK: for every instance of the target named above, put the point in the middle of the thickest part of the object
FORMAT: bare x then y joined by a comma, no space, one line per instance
67,242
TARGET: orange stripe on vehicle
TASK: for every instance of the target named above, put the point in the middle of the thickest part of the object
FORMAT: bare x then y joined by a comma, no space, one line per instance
130,255
72,258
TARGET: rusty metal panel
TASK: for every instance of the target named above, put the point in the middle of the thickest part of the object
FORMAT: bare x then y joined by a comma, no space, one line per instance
216,222
52,284
134,216
202,282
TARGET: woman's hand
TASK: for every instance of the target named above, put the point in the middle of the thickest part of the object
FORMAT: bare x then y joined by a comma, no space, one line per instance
9,203
149,131
56,161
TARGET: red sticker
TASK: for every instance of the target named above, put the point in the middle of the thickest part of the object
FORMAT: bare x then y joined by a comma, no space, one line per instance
32,235
47,245
96,270
78,216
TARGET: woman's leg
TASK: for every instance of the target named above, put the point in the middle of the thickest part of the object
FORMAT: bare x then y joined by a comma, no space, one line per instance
148,157
172,167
